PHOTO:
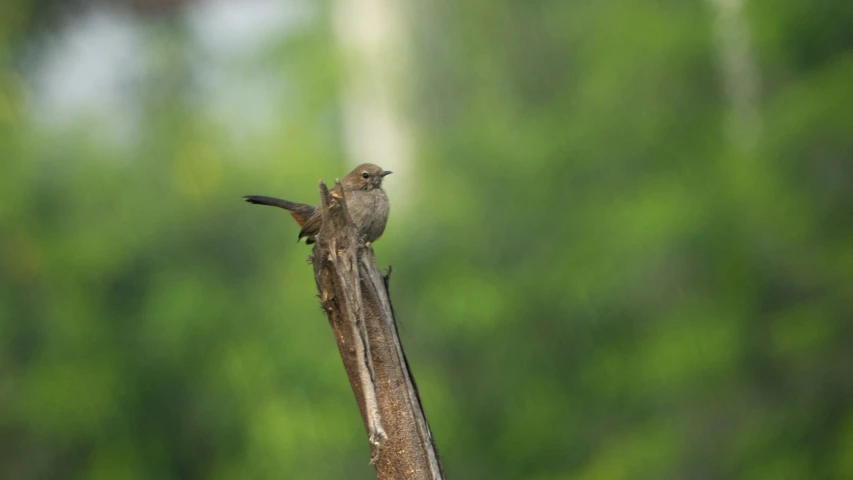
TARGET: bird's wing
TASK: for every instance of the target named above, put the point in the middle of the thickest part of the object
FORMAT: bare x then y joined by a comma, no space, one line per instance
311,227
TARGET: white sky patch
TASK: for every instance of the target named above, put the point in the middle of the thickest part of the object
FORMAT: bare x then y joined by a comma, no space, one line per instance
89,70
239,29
239,90
84,70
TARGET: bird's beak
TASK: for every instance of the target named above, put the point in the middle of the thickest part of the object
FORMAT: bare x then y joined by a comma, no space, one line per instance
386,172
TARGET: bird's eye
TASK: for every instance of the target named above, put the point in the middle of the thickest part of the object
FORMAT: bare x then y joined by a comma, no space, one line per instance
364,174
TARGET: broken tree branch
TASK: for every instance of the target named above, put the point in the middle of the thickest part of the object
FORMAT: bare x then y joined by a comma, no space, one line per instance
355,298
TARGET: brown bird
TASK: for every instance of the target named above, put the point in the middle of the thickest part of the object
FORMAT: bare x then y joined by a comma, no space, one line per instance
366,201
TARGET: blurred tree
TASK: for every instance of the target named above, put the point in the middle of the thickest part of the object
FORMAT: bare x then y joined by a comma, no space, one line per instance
594,281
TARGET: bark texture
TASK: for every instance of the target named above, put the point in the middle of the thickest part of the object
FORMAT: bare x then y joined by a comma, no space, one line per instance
355,298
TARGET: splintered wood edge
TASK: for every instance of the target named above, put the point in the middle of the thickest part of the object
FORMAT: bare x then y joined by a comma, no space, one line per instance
338,190
386,282
324,195
333,208
332,198
337,197
336,208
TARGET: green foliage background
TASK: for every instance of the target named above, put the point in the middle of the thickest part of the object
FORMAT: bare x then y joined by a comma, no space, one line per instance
593,281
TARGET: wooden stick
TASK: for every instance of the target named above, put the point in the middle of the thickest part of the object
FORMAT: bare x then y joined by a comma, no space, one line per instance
355,297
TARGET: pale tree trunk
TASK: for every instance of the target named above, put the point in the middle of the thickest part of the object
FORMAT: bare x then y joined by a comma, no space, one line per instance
740,74
371,35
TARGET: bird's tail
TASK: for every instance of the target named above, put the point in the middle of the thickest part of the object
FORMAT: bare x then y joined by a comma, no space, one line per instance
299,211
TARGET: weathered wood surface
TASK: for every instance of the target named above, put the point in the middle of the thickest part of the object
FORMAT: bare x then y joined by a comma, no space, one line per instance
355,297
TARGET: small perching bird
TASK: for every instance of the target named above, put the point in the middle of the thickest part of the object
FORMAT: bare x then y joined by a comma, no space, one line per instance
366,201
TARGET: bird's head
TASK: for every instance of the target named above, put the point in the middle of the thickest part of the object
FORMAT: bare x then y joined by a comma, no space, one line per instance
366,176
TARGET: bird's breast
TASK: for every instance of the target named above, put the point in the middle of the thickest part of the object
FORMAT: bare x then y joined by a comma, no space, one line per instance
369,211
